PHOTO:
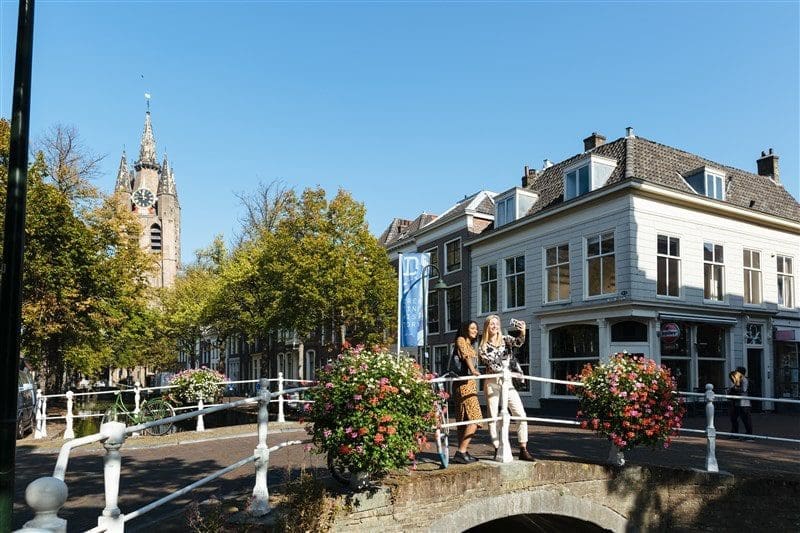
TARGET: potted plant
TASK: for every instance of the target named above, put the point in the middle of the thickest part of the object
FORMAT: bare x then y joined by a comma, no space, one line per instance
369,412
630,401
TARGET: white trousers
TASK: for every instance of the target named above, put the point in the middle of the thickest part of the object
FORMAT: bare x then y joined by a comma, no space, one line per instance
492,390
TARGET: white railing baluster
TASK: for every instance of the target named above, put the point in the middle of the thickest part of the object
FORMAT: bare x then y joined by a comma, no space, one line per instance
711,432
41,418
201,425
504,454
259,506
69,432
281,418
112,518
137,397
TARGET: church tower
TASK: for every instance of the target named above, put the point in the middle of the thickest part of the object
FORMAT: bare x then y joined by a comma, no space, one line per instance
148,190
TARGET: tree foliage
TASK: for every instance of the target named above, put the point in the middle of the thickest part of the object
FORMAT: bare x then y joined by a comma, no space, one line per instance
85,300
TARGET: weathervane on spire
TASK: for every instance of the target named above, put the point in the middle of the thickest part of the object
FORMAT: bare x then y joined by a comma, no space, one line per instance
147,97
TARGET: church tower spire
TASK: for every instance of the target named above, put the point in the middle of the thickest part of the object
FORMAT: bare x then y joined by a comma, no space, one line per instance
147,148
166,183
123,176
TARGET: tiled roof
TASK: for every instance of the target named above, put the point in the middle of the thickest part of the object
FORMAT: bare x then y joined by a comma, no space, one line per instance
664,165
396,228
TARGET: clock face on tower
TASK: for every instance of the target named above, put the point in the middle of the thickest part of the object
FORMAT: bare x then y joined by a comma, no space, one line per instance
143,197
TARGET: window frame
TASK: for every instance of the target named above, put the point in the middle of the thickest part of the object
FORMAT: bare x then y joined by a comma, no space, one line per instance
587,259
515,274
747,272
576,171
434,260
714,262
460,256
668,258
447,307
508,216
481,284
433,296
785,276
546,278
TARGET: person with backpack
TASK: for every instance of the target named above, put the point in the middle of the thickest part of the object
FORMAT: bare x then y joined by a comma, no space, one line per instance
464,362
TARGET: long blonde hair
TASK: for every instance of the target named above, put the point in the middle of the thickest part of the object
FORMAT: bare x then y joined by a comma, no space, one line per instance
485,335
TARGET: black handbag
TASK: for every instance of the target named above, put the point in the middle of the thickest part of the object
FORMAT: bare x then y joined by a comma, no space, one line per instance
455,364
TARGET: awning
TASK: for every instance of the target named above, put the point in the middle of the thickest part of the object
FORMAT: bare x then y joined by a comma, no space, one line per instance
784,334
697,318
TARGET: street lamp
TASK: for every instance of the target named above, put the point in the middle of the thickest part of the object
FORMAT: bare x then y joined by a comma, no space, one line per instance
440,285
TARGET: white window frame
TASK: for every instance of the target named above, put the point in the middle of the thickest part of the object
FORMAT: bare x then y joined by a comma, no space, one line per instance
787,277
717,178
576,170
714,262
434,260
546,269
667,257
481,283
586,257
748,272
447,308
460,257
503,213
515,274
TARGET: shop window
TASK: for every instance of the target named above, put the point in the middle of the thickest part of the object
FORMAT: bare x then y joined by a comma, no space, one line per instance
571,347
629,331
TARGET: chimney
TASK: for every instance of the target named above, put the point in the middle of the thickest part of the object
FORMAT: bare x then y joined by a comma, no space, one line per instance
529,176
547,164
768,166
629,133
593,141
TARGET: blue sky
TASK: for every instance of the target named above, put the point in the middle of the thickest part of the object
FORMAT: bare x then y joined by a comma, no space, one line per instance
409,105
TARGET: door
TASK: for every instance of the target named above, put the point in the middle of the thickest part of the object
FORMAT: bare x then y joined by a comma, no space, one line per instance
755,358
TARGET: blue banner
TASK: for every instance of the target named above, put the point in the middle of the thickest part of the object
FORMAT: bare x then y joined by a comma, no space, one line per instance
412,298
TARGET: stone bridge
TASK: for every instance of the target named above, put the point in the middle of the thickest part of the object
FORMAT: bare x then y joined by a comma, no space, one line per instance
578,496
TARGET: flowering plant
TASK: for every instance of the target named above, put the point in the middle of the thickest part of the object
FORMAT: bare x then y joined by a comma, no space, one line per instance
630,401
196,383
370,410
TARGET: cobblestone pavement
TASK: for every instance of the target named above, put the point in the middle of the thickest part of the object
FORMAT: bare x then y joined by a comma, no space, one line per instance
156,466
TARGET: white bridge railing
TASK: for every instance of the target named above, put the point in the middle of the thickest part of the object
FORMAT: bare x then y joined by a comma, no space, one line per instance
40,431
504,453
47,495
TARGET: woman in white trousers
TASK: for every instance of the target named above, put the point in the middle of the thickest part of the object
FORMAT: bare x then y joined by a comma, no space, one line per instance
495,350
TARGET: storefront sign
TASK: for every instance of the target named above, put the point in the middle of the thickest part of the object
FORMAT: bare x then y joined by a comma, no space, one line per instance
785,335
670,332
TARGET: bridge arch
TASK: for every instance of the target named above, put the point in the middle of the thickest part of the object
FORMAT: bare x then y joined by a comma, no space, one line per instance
535,501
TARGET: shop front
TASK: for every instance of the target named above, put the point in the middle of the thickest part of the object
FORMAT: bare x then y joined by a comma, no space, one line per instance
787,362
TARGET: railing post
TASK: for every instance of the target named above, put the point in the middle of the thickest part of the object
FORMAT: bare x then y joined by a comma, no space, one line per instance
112,518
504,452
259,505
201,426
41,417
711,432
69,433
46,496
281,418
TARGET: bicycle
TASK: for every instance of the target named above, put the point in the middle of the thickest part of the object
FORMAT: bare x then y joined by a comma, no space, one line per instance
149,411
442,434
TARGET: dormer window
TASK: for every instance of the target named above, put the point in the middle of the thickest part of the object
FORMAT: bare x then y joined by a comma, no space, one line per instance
586,175
513,204
708,182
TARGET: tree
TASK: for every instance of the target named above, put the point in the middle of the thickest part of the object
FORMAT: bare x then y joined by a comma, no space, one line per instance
318,264
85,300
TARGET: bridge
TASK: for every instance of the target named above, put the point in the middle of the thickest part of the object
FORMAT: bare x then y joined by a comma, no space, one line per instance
576,487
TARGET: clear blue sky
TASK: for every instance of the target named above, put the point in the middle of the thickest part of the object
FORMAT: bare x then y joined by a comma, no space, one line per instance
410,106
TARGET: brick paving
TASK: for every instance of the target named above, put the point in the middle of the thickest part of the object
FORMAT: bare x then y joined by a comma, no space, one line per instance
156,466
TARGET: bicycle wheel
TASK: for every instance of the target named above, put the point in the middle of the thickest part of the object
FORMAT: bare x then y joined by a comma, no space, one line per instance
339,472
156,410
442,433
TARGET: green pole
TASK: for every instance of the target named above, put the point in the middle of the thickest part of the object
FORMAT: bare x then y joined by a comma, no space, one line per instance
11,268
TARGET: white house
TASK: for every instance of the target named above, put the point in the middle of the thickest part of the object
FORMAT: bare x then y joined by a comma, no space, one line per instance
637,246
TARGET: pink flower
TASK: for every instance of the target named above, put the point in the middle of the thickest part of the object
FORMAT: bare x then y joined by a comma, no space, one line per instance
329,385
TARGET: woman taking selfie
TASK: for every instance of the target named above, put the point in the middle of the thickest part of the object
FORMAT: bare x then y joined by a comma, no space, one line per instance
495,349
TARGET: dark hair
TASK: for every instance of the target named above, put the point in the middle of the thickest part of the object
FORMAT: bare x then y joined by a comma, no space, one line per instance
463,329
742,370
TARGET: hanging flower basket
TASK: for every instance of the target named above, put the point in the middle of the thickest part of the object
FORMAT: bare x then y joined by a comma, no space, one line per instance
195,384
631,401
370,409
